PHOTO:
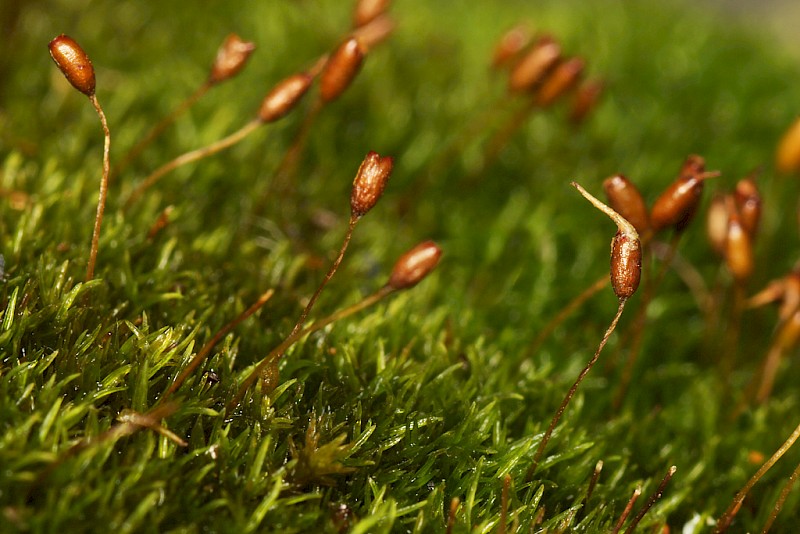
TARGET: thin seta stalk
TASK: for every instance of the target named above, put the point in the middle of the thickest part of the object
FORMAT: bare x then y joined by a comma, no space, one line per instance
626,266
725,520
76,66
781,500
231,58
203,353
408,271
652,500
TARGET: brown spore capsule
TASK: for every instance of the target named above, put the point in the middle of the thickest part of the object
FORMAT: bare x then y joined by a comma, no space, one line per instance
73,63
585,100
626,265
626,200
534,65
738,249
562,80
626,250
748,203
369,183
787,156
368,10
231,58
284,97
510,46
341,69
678,203
414,265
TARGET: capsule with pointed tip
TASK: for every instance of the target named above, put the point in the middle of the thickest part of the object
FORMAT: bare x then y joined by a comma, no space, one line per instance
678,203
231,58
341,69
369,183
73,63
626,200
284,97
413,266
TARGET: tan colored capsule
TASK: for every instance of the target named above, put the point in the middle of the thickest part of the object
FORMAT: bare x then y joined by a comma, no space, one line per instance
626,200
748,203
626,265
510,45
369,183
787,157
717,223
73,63
563,79
678,203
232,56
368,10
532,68
341,69
415,265
738,249
284,97
585,101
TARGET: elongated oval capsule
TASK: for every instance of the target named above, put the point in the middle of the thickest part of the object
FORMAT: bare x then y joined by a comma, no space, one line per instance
626,264
368,10
748,202
717,223
284,97
341,69
534,65
738,249
678,203
585,101
626,200
510,46
414,265
559,82
73,63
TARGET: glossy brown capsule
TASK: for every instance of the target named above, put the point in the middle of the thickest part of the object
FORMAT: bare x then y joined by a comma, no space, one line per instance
284,97
532,68
368,10
414,265
341,69
231,58
73,63
563,79
748,203
626,200
369,183
626,265
678,203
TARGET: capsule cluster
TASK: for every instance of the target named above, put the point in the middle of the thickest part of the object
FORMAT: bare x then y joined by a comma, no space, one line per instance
732,224
538,69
